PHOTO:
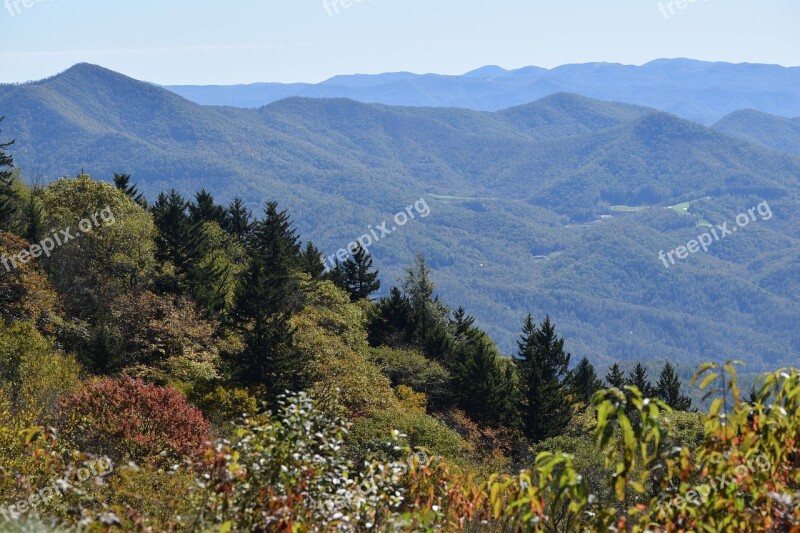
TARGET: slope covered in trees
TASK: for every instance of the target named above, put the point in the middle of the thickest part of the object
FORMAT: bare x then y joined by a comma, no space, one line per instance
516,199
183,366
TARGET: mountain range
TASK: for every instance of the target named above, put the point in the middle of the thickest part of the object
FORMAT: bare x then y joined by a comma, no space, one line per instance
558,206
700,91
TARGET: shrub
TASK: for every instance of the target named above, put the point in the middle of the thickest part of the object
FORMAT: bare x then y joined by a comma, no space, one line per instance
130,421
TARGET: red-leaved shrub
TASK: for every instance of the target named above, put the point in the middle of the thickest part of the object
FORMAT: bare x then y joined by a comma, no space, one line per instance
129,420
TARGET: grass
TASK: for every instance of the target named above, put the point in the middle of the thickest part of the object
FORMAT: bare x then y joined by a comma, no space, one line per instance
628,208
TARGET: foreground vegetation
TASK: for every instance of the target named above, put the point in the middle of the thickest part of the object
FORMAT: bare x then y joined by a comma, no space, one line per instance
184,367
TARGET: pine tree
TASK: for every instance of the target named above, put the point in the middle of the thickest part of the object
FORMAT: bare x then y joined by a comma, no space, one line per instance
393,324
585,382
312,261
429,315
668,389
179,241
266,298
122,182
462,322
360,282
34,224
544,375
484,387
9,197
203,209
638,378
615,378
237,220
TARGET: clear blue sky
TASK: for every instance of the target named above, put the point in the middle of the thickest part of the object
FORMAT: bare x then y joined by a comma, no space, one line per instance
240,41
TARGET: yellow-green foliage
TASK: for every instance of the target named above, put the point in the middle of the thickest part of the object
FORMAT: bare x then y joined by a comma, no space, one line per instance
112,258
332,331
32,373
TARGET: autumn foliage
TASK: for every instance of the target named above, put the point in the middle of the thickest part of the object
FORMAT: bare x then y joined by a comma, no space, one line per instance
130,420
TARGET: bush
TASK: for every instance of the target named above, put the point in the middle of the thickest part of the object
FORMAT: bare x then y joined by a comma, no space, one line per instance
130,421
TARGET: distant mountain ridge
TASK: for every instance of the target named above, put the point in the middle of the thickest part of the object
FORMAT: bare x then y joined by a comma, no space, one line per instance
700,91
516,201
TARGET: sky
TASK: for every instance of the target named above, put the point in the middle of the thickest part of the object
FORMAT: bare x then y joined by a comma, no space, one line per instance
246,41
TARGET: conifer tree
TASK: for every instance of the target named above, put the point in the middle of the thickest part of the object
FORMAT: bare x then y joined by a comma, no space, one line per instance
203,209
122,182
266,298
238,219
485,387
615,377
9,198
462,322
638,378
179,240
668,389
312,261
359,279
544,375
585,382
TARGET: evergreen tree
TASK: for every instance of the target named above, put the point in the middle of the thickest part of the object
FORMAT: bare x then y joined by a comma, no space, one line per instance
237,220
266,298
179,241
544,375
203,209
428,315
638,378
393,324
312,261
34,223
485,387
336,275
585,382
462,322
9,197
615,377
668,389
122,182
359,281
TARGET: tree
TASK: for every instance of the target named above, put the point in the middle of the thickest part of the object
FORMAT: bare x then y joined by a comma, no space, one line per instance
585,382
238,219
178,238
9,196
359,280
544,375
484,385
668,389
638,378
122,182
203,209
615,377
267,295
312,261
113,256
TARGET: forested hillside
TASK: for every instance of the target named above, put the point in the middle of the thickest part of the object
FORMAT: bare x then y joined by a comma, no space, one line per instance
185,365
773,132
556,207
